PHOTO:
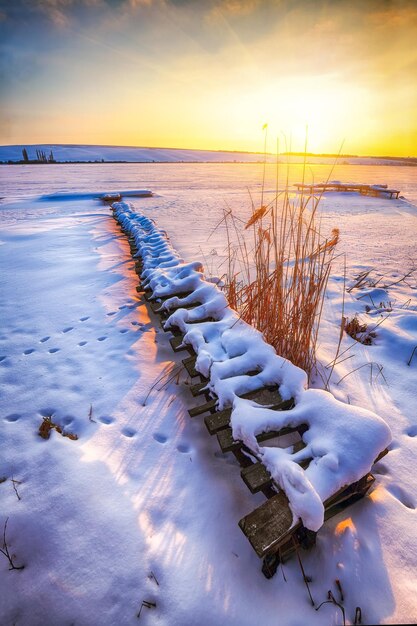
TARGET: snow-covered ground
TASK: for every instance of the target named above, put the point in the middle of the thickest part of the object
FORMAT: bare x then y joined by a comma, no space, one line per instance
143,506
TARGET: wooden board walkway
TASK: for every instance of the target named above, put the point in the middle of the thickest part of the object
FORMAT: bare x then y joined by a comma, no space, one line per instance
365,190
269,528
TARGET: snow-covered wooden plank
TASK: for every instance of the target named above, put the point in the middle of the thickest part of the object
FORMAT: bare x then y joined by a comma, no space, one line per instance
346,437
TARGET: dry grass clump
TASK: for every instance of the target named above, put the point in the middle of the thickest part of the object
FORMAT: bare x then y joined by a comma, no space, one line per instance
48,425
359,331
277,279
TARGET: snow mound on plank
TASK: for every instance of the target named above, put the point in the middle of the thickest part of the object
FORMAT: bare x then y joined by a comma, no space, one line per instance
341,440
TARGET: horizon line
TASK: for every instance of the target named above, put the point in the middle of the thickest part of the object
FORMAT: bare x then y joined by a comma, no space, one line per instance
286,153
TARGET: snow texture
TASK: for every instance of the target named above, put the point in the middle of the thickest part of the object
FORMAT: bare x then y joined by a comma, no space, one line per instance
342,441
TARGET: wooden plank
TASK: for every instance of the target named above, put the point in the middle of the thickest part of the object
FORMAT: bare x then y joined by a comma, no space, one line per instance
217,421
178,346
256,477
198,389
269,525
155,305
228,444
203,408
189,365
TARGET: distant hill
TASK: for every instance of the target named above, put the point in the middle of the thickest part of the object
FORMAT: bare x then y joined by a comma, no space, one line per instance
86,153
91,153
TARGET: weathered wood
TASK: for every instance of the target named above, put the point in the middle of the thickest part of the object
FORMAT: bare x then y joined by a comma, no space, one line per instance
227,443
347,496
269,525
198,389
198,410
217,421
155,306
189,365
178,346
256,477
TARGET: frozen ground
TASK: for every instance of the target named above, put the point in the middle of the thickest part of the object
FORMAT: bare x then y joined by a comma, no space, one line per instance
143,507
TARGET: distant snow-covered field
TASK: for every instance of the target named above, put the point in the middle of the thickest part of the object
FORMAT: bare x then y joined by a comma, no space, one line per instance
142,506
64,152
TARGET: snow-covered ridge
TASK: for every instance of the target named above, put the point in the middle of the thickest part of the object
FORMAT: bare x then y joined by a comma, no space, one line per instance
342,441
139,154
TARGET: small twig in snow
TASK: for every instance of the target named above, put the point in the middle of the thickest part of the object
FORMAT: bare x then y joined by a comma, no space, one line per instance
371,364
153,577
90,414
5,550
147,605
412,354
340,590
305,578
358,616
332,600
14,483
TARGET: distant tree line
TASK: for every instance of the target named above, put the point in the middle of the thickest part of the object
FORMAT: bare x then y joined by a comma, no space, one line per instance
41,157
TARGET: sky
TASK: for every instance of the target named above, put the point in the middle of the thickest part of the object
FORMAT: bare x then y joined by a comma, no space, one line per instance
210,74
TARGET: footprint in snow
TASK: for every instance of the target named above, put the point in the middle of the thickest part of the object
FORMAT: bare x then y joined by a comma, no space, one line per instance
182,447
2,358
128,432
106,419
160,438
83,343
53,350
401,496
412,431
30,351
112,313
101,338
123,331
84,319
44,339
13,417
67,330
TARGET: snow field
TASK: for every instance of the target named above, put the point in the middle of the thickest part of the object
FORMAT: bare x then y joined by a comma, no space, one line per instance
98,515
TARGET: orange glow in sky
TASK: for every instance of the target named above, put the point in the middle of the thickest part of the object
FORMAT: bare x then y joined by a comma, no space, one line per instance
209,74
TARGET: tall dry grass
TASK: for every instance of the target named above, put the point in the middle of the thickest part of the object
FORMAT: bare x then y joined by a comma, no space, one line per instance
278,266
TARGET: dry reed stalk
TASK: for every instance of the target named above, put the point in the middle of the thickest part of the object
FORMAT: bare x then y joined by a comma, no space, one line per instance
278,283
